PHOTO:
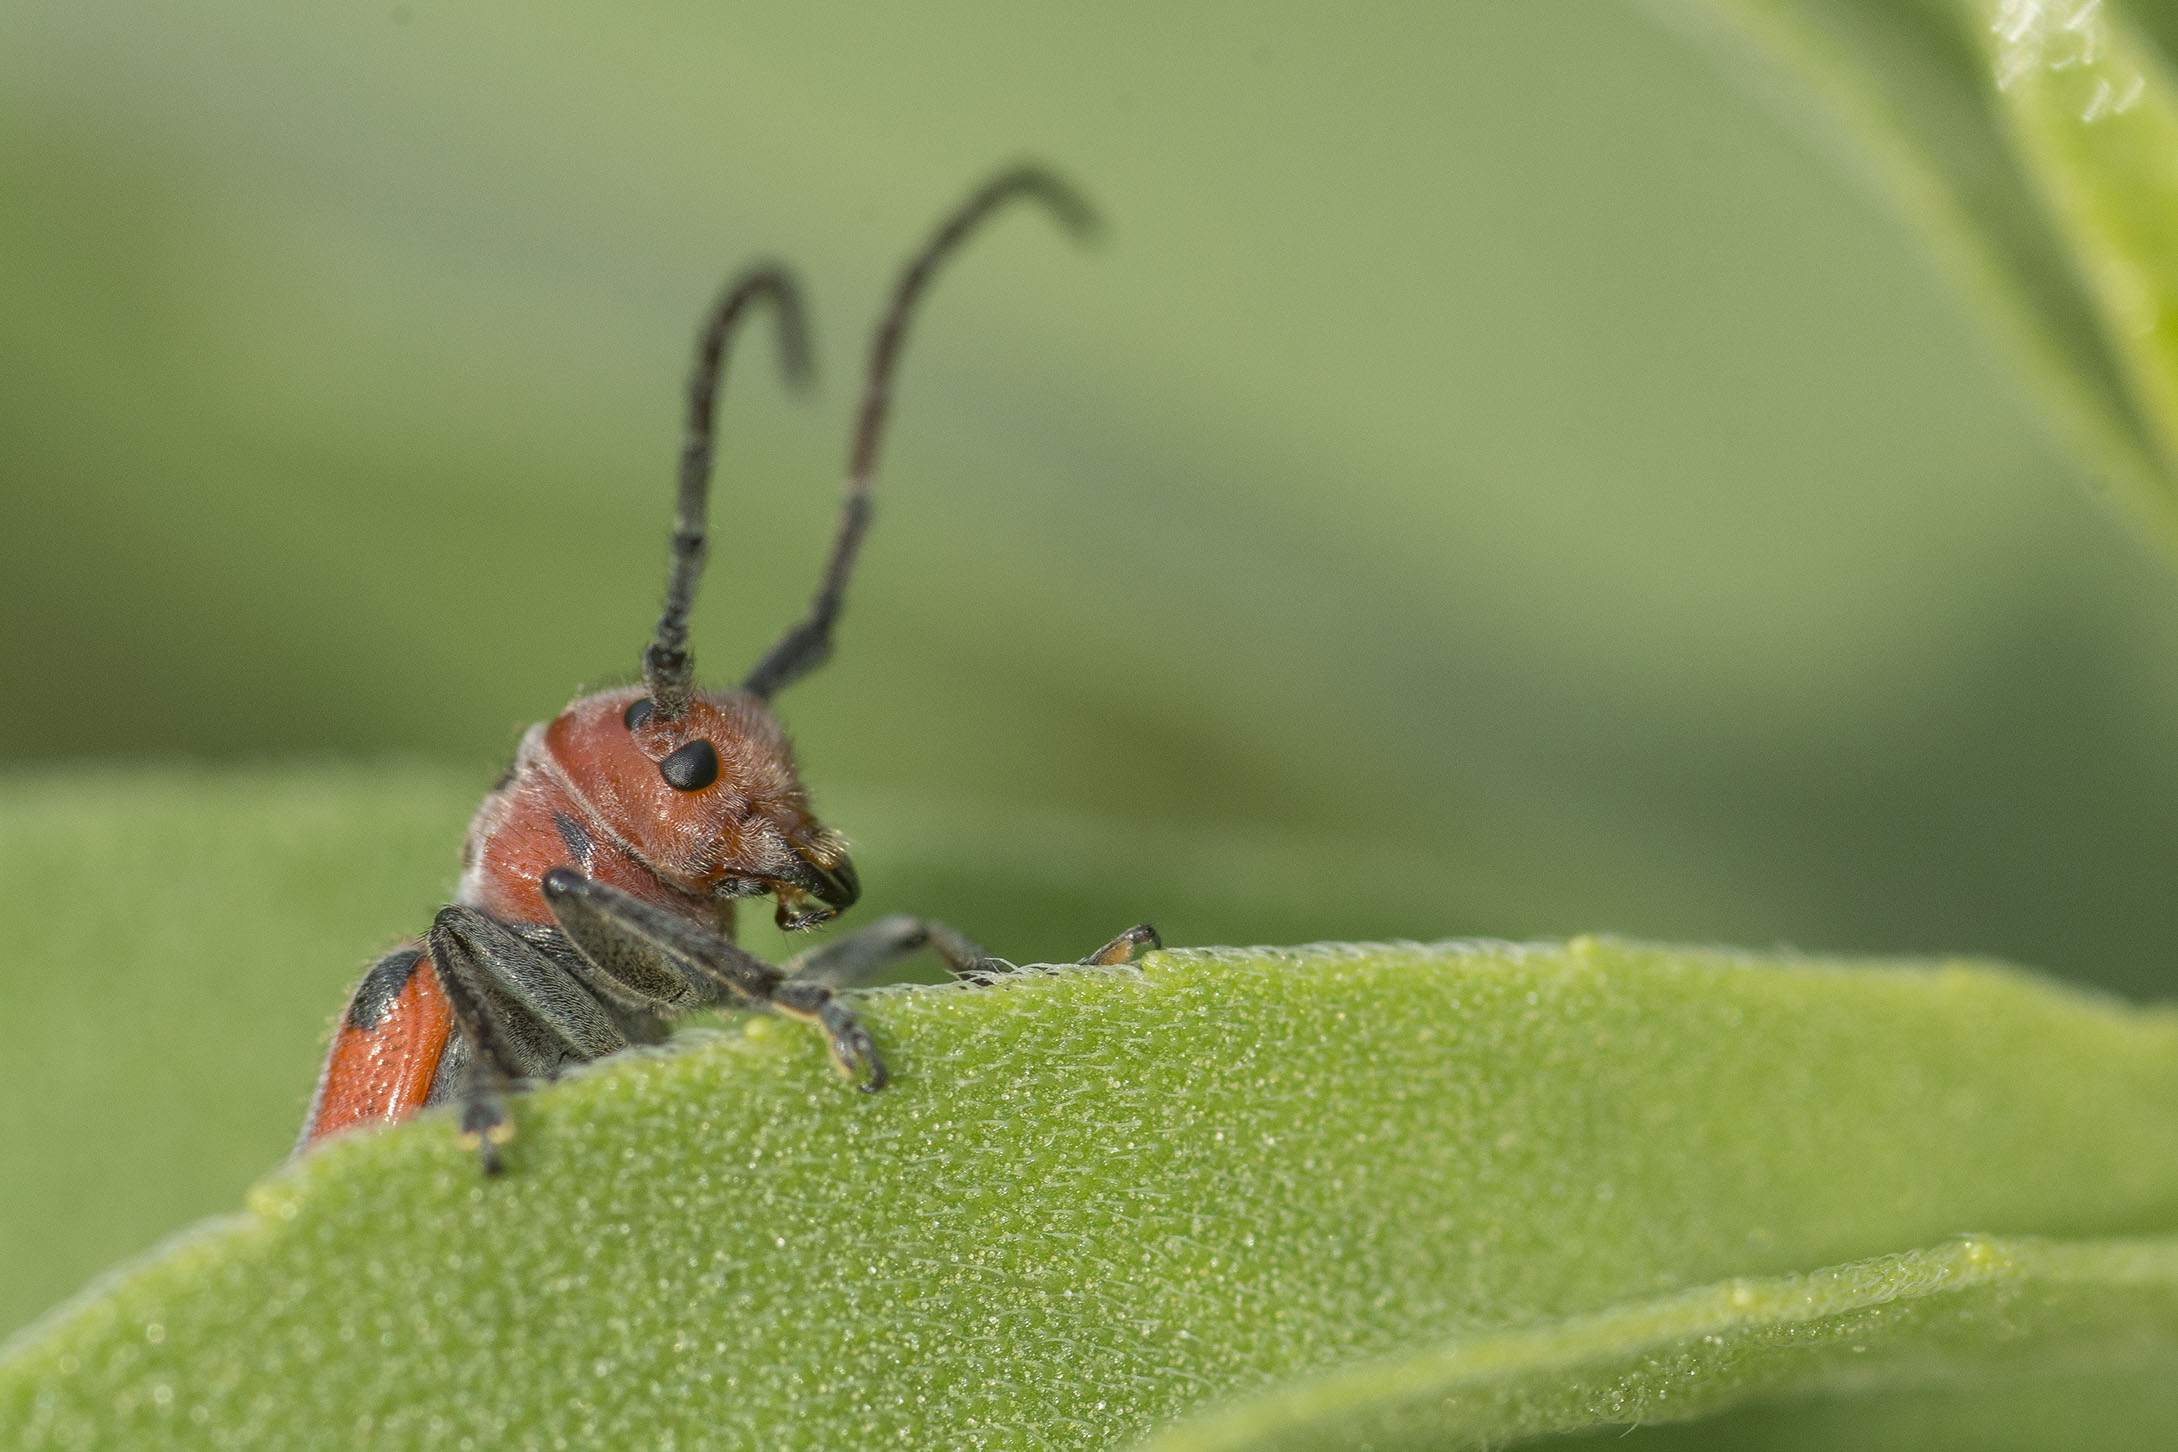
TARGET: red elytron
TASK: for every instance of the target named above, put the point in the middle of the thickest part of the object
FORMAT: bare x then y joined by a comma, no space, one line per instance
601,874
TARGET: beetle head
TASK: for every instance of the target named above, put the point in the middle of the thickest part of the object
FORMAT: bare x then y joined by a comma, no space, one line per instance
709,799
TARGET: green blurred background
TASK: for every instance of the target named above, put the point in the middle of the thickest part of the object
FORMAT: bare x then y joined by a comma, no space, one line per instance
1496,478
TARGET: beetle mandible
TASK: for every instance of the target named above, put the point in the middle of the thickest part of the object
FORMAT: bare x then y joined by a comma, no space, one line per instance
600,875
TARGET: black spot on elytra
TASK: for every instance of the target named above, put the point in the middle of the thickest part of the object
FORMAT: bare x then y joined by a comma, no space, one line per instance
375,994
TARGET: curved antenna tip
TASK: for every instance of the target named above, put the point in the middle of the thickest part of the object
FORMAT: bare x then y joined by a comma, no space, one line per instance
1068,206
808,642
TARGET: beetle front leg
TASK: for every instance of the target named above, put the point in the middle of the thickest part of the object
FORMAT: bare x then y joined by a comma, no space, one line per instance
853,1050
485,1123
650,956
524,1016
646,950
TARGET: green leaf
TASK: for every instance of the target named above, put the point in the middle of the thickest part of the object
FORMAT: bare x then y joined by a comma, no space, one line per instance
2034,144
177,944
1098,1202
1926,1316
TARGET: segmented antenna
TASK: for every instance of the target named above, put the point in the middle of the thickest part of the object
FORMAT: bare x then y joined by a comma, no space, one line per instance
668,667
808,643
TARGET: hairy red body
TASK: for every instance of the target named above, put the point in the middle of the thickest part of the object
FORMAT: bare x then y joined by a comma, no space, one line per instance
584,792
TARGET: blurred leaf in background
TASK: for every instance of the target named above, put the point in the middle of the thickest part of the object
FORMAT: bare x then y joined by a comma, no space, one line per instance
2034,146
1493,459
1486,435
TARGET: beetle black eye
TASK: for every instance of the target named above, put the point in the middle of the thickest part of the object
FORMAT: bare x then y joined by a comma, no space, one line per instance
637,713
692,768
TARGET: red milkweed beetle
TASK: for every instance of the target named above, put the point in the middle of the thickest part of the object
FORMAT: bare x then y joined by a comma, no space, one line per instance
599,877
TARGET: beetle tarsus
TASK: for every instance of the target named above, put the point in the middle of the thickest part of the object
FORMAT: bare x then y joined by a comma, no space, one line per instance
484,1122
853,1050
1127,948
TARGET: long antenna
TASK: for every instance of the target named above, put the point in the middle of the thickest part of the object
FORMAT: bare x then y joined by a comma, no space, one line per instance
668,668
808,643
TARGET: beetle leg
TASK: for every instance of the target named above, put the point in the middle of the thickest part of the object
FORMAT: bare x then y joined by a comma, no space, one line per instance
807,991
650,955
648,950
1127,948
524,1014
485,1125
647,958
861,956
535,1016
867,952
642,1018
853,1050
969,963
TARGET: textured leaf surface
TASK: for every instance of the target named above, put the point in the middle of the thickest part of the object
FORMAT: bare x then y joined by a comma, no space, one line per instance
175,944
2035,145
1929,1318
1099,1202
